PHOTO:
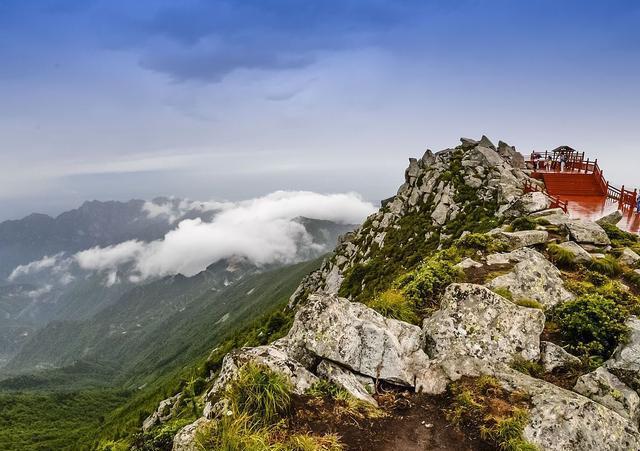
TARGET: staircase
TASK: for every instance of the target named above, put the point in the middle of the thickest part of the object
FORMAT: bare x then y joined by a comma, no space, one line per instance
572,184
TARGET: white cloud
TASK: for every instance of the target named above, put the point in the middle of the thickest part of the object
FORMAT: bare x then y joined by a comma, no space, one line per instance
262,230
46,262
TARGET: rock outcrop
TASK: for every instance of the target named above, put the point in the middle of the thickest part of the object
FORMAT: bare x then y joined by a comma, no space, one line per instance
580,255
625,361
474,321
553,356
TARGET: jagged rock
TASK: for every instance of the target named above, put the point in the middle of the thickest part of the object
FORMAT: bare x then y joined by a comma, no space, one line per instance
629,257
428,158
186,440
474,321
468,143
511,155
625,361
579,253
271,357
583,231
534,277
345,379
561,420
359,339
549,212
486,142
529,203
523,238
606,389
611,218
553,356
163,413
468,263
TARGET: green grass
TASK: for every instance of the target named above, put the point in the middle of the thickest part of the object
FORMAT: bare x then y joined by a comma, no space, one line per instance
393,304
527,367
561,257
504,292
530,303
607,266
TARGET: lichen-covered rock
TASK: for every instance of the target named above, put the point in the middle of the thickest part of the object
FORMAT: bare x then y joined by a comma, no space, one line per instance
534,277
529,203
629,257
553,356
359,339
580,255
611,218
272,357
345,379
606,389
186,439
474,321
468,263
625,361
523,238
584,231
163,413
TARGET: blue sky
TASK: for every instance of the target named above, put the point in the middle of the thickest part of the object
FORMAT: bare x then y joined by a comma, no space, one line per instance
233,99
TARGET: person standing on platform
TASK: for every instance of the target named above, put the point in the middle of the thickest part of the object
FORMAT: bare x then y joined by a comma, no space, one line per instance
638,205
563,160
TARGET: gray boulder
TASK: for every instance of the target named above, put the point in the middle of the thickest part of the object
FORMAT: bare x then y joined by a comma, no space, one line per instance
468,263
611,218
186,440
163,413
474,321
359,339
534,277
529,203
553,356
606,389
579,253
468,143
523,238
629,257
583,231
345,379
625,361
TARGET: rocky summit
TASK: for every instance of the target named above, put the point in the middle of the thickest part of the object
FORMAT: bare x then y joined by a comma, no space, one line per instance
464,314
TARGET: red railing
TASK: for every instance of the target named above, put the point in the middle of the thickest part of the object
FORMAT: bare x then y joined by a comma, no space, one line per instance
556,202
577,163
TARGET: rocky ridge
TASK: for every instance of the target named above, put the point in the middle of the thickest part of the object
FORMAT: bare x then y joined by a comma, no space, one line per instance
478,329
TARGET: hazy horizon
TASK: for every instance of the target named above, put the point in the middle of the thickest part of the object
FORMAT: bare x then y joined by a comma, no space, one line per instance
227,100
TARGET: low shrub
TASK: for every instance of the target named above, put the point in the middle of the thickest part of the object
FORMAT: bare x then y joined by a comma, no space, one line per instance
528,367
561,257
592,325
425,284
523,223
481,242
393,304
633,278
157,439
620,238
596,278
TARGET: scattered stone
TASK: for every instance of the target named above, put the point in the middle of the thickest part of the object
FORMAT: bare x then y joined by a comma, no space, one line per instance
474,321
583,231
163,413
606,389
468,263
553,356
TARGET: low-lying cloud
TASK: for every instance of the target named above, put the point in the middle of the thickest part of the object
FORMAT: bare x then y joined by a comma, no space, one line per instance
263,230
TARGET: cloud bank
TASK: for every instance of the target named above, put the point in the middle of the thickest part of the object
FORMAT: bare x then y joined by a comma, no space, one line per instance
263,230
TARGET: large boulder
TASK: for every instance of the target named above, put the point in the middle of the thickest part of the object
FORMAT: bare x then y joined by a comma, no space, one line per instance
553,356
611,218
359,339
523,238
474,321
270,356
606,389
534,277
163,413
625,361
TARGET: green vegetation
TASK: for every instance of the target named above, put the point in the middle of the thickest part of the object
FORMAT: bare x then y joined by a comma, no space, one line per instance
523,223
529,303
498,416
607,265
393,304
592,325
620,238
259,401
481,242
561,257
527,367
504,292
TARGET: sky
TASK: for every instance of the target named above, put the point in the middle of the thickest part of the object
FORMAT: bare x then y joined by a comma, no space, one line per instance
231,100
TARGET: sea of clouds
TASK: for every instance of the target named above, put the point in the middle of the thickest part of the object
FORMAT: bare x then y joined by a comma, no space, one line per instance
263,230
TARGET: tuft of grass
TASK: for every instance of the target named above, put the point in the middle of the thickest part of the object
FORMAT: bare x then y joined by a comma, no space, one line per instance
533,369
620,238
305,442
507,432
481,242
561,257
523,223
530,303
608,266
393,304
260,393
504,292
